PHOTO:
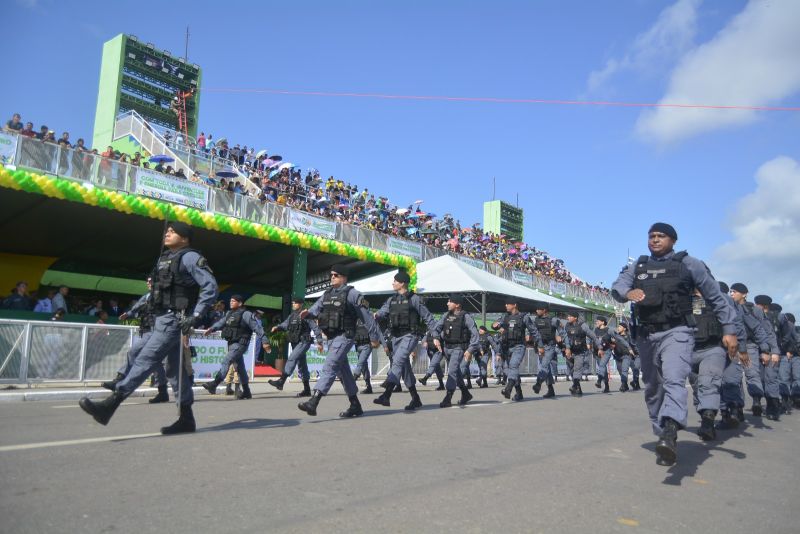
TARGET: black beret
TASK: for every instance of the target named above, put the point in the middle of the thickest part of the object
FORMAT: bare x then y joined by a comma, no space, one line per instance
665,229
511,299
542,306
573,313
182,229
298,300
623,324
724,287
340,268
456,299
402,277
775,307
237,296
740,288
763,300
602,319
790,317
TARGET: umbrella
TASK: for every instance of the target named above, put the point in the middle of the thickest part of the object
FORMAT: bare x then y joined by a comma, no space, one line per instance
286,165
221,140
161,158
402,211
225,174
274,172
431,215
276,157
274,163
418,201
261,153
414,216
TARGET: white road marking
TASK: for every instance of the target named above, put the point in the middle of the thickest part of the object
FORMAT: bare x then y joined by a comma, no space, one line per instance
46,444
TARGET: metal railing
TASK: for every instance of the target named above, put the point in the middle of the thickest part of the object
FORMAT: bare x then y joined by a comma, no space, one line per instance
103,172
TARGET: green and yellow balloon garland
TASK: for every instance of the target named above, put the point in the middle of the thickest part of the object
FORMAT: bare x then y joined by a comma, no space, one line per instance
126,203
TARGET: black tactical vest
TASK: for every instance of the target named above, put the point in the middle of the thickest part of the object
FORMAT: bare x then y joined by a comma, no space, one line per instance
235,329
577,337
668,289
455,331
515,329
337,316
604,337
173,287
709,329
545,327
147,317
362,334
431,347
485,344
297,330
403,318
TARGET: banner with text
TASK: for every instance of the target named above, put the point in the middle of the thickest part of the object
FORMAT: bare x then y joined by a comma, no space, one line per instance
473,261
312,225
161,187
407,248
8,148
316,360
524,279
209,353
558,287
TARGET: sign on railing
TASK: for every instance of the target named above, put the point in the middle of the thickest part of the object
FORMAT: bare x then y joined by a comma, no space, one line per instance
312,225
8,148
524,279
160,186
408,248
558,287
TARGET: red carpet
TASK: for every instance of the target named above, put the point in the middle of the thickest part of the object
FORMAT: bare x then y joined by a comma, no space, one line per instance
262,369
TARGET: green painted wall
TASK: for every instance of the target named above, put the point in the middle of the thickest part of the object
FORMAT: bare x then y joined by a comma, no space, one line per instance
108,92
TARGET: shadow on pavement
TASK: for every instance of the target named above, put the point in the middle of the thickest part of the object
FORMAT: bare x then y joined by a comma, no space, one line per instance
251,424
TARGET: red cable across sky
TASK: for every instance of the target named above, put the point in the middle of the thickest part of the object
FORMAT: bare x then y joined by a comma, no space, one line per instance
501,100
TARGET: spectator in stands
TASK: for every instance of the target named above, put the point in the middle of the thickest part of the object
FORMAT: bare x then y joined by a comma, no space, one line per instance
179,174
50,137
42,133
27,131
96,308
45,304
14,124
201,141
113,308
102,318
64,140
19,299
60,299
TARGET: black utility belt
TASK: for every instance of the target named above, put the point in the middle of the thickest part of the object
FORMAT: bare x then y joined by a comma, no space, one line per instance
711,343
659,327
240,341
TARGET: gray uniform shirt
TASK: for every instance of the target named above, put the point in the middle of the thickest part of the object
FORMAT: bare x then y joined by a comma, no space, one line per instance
249,318
709,289
416,303
356,301
197,267
312,326
474,336
755,327
589,333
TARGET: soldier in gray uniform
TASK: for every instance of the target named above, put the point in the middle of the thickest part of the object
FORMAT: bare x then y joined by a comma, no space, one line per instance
183,290
759,344
488,347
299,332
731,391
772,366
500,364
517,329
577,349
406,312
364,351
435,356
459,336
336,312
622,351
238,326
548,332
661,286
142,310
786,334
794,361
603,352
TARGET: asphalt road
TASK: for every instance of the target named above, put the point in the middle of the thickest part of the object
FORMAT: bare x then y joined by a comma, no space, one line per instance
578,465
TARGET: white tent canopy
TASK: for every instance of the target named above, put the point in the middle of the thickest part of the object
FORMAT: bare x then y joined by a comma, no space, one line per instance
441,276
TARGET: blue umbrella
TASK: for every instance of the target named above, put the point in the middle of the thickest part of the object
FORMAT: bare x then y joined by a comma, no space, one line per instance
161,158
226,174
274,172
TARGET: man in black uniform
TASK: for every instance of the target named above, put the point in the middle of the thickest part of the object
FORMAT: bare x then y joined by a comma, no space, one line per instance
237,327
184,289
299,334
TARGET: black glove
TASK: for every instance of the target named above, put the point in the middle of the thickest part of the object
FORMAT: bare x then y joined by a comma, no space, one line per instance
187,323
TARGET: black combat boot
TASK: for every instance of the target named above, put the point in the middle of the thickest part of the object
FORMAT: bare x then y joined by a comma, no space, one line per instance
161,396
551,392
469,382
466,396
103,410
384,384
354,410
635,385
728,422
624,386
310,406
245,393
707,431
786,405
111,385
229,388
441,385
383,398
237,389
367,390
356,376
599,382
211,386
185,422
306,392
398,388
537,387
278,384
667,446
518,389
498,380
484,385
576,388
509,388
757,408
740,414
424,379
773,409
416,402
504,380
605,385
447,401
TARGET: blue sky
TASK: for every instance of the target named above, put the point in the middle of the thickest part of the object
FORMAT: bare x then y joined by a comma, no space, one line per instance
591,179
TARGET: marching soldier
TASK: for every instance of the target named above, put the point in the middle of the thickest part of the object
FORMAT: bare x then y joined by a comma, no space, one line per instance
459,335
299,332
548,332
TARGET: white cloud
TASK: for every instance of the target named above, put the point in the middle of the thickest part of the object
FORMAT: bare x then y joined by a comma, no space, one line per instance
753,61
670,36
765,251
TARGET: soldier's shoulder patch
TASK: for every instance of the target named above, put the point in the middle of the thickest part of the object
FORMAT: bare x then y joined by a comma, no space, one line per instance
202,262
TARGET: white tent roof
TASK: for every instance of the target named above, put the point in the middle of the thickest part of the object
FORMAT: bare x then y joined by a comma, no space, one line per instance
446,274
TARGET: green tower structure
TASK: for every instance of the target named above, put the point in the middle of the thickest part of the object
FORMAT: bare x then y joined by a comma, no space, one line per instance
502,218
136,76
